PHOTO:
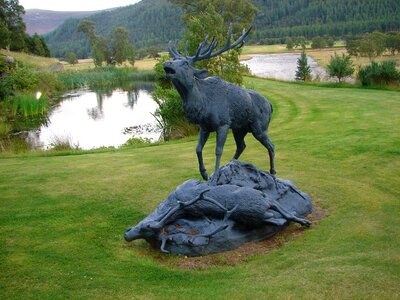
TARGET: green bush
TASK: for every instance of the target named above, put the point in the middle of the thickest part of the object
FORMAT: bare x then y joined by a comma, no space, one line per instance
340,66
19,79
170,114
384,73
22,79
135,141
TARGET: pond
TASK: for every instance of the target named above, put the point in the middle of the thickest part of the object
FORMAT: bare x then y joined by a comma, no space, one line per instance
95,118
281,66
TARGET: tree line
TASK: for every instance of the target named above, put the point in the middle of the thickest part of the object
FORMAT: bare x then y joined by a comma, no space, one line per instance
309,18
152,23
374,44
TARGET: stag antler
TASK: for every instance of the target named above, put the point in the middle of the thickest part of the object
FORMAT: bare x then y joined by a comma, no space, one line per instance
205,52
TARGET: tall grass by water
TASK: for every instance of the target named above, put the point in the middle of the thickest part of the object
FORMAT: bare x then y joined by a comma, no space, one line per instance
103,77
27,105
62,218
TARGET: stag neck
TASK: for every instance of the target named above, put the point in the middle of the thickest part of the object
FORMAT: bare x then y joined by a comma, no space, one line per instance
183,89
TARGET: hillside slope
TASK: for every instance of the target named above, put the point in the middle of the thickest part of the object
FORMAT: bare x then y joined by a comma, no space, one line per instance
154,22
43,21
150,23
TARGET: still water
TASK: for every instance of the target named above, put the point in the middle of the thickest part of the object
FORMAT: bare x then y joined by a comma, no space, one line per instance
281,66
91,119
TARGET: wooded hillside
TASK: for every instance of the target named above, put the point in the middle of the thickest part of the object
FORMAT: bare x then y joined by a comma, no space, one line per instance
152,23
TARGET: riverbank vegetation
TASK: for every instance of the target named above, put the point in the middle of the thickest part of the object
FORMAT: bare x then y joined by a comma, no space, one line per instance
29,87
65,215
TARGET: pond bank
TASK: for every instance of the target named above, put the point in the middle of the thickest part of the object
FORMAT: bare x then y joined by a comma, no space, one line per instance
32,82
94,118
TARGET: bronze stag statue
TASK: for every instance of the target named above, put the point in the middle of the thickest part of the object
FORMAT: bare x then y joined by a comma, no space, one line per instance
217,105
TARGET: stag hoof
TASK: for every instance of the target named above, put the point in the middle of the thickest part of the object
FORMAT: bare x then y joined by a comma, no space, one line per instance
272,172
204,174
212,181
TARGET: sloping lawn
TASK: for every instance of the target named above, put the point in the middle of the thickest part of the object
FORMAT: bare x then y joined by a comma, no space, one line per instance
62,218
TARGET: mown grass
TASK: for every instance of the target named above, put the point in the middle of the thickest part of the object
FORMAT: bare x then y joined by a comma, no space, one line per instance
62,217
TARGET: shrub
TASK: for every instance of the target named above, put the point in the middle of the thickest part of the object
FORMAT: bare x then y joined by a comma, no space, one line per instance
22,79
170,114
340,66
135,141
384,73
62,143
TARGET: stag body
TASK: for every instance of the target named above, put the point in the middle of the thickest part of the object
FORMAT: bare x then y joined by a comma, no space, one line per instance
216,105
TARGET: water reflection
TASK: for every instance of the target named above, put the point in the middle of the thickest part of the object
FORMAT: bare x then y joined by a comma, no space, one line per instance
91,119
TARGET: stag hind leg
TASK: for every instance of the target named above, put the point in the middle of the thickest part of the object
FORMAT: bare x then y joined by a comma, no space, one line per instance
203,137
222,133
240,144
263,138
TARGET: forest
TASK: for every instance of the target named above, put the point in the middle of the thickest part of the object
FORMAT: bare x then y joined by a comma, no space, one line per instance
152,23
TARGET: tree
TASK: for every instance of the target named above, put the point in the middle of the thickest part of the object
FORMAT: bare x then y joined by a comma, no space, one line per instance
392,42
212,18
113,50
330,41
204,17
100,52
318,42
369,45
303,71
5,35
340,66
11,16
71,58
289,43
121,49
154,52
300,41
89,28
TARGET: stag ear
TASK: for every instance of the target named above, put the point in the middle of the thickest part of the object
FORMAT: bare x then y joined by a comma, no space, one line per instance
201,74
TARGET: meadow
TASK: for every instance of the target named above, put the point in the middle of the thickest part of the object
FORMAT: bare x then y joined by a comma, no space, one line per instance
321,56
63,214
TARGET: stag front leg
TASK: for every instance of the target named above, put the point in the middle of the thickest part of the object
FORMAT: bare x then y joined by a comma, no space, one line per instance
203,137
222,133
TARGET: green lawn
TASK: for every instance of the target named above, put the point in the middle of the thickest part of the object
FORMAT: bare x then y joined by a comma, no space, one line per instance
62,218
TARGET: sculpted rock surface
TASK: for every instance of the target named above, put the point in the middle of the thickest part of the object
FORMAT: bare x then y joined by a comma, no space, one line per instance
240,205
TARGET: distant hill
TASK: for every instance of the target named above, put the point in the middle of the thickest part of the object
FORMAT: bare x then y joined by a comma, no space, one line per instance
154,22
150,23
43,21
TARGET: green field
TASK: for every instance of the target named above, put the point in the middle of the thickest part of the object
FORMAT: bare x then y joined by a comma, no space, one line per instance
62,218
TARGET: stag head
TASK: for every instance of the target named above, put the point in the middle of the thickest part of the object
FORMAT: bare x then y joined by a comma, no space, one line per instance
181,68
